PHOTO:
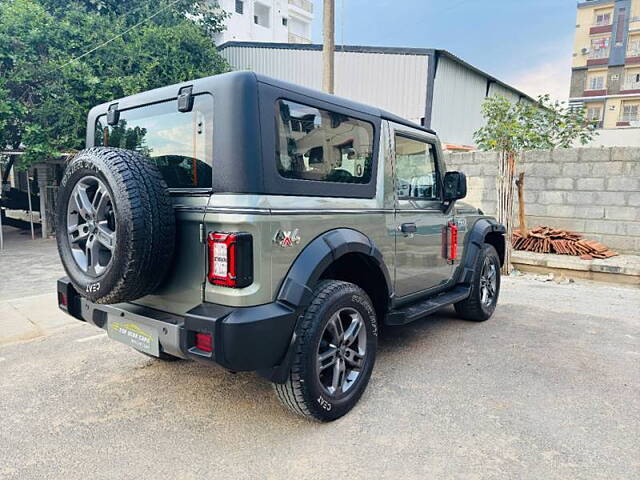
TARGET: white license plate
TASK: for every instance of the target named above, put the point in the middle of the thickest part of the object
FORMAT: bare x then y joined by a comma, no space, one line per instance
140,337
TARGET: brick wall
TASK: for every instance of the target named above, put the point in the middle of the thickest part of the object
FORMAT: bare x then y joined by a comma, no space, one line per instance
595,191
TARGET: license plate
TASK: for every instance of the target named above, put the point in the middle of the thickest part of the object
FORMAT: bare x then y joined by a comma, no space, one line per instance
140,337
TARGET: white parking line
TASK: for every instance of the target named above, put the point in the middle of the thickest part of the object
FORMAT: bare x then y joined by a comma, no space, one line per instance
92,337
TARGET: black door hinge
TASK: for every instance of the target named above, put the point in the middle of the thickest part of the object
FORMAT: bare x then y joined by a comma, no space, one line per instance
185,99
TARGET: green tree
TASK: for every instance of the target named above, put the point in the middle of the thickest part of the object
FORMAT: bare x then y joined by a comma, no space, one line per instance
512,128
45,94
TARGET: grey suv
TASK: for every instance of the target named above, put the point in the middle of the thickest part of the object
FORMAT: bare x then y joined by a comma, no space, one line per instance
241,221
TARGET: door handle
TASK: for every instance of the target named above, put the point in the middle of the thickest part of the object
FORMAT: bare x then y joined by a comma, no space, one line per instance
408,228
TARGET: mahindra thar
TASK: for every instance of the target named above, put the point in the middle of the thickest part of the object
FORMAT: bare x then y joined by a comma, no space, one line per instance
257,225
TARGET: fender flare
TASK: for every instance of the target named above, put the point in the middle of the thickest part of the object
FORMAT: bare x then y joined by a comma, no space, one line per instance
297,287
474,240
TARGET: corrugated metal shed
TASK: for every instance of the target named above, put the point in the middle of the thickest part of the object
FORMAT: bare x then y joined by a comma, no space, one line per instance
367,77
414,83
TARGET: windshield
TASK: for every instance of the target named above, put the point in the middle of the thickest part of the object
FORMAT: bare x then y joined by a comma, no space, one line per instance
179,143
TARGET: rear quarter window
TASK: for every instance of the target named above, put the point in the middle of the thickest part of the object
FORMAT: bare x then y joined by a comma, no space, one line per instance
323,146
179,143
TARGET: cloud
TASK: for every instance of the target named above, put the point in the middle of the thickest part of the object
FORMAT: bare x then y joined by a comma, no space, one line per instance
551,76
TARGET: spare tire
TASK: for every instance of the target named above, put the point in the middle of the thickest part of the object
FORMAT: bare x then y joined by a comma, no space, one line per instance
115,225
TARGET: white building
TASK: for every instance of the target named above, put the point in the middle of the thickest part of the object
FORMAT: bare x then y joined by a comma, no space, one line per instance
281,21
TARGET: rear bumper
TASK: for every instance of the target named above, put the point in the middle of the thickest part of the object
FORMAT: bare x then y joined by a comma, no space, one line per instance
244,339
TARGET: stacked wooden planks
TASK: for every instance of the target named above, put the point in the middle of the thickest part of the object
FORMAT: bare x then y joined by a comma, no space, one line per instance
544,239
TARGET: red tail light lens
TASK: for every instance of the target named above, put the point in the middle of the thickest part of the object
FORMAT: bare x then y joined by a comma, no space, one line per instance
204,342
62,299
453,242
230,259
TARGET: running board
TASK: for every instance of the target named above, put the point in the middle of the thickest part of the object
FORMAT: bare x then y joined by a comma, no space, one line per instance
421,308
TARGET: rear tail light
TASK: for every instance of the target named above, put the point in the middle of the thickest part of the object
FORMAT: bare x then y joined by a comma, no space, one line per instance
204,342
62,300
230,259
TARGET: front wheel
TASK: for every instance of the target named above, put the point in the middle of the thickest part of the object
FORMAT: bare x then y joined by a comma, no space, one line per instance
334,355
485,287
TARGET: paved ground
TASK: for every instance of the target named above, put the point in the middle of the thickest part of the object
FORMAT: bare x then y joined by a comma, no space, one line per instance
548,388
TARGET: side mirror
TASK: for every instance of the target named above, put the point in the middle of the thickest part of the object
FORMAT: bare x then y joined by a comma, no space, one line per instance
455,186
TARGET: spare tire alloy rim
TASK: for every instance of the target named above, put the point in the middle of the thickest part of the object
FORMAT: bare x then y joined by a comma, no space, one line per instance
342,351
488,282
91,226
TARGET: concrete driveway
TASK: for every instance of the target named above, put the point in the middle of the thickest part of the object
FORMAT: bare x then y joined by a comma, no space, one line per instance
548,388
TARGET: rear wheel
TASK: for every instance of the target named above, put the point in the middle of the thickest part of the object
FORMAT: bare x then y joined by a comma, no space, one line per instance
485,287
335,353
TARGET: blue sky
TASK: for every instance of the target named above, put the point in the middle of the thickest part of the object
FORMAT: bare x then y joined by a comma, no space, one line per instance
526,43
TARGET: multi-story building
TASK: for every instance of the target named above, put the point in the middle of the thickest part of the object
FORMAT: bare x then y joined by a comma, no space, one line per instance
606,64
287,21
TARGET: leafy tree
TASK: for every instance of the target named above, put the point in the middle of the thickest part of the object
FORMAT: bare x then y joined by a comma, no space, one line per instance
512,128
139,44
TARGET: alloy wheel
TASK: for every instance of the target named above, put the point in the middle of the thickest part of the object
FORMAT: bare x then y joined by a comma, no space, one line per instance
342,351
91,226
488,282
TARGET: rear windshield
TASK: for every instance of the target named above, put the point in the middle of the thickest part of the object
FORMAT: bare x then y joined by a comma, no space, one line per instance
179,143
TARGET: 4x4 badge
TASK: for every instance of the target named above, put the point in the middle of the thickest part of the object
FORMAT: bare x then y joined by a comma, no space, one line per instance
287,239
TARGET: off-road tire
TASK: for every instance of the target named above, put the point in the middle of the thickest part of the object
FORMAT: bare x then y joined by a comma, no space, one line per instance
144,225
472,308
303,393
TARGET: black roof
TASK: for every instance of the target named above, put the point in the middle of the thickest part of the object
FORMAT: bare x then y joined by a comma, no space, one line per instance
345,102
374,49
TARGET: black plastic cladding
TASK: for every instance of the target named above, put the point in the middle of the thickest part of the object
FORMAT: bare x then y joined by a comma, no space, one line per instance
245,136
474,240
303,275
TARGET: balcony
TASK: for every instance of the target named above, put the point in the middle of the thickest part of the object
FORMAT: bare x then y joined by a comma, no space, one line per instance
630,87
293,38
599,56
600,28
633,53
305,5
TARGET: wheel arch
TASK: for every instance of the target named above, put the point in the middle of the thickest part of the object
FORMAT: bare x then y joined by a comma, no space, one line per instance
484,230
329,256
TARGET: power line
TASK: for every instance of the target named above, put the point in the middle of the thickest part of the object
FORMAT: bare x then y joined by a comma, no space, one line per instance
88,52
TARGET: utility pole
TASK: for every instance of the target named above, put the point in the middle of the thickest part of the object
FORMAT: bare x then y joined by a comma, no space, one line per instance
329,45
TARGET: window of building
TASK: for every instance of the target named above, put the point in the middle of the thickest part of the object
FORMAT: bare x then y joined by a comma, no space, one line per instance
632,80
633,47
630,112
239,7
594,113
261,15
596,82
599,47
321,145
179,143
602,18
416,170
284,21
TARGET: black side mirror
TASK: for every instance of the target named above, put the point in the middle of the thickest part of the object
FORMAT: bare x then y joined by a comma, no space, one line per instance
455,186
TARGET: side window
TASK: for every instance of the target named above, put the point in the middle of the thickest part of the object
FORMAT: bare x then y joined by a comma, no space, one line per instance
416,170
324,146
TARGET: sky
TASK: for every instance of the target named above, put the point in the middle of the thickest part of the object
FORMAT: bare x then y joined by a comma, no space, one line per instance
525,43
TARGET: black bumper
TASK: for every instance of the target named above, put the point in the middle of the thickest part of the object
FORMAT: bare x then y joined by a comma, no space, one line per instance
244,339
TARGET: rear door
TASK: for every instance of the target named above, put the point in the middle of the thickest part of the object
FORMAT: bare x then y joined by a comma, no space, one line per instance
420,264
180,143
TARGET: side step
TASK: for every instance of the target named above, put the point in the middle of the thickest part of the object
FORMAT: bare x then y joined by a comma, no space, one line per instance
421,308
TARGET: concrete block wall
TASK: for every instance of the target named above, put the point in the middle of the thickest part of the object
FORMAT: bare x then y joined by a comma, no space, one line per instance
593,191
